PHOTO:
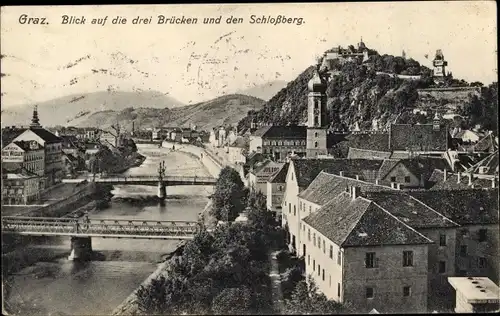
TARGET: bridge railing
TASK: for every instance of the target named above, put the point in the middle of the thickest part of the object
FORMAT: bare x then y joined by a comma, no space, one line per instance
155,178
113,227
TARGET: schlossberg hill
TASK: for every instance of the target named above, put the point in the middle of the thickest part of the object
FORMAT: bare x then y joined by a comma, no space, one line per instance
373,90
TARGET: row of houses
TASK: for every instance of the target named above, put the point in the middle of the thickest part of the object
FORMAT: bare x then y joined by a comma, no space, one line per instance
374,234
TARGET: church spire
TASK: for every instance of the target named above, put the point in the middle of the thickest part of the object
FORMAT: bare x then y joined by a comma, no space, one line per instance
35,121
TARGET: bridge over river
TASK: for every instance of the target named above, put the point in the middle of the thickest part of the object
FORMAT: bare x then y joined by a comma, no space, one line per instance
147,180
81,230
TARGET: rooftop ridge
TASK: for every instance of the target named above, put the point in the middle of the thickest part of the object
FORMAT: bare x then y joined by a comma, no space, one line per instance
430,208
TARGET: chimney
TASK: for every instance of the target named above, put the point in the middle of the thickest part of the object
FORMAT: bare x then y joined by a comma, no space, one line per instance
357,177
459,177
445,174
341,173
470,178
355,191
493,183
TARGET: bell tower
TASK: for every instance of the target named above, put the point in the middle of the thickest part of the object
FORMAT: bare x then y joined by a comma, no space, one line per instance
317,124
35,121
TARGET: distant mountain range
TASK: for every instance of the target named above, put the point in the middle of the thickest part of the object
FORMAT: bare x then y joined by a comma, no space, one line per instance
265,91
64,110
225,110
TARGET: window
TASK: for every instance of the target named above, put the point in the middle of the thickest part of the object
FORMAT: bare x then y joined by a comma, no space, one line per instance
483,234
406,291
331,252
339,258
338,289
324,247
407,179
442,266
294,210
393,179
314,239
482,262
407,258
319,269
309,234
289,208
369,292
370,260
310,208
315,144
323,274
463,251
442,240
308,260
319,242
314,265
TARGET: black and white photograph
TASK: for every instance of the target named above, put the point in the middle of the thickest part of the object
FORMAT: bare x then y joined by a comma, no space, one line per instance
250,159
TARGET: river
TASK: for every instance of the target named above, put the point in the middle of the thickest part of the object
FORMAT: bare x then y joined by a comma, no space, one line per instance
56,286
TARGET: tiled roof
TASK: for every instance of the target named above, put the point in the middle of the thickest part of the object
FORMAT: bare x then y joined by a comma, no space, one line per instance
386,167
25,145
437,182
280,177
408,209
418,137
422,166
487,143
327,186
472,206
360,222
282,132
307,169
8,135
369,141
47,136
356,153
240,142
490,162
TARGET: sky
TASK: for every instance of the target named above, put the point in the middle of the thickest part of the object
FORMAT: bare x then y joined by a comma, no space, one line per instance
197,62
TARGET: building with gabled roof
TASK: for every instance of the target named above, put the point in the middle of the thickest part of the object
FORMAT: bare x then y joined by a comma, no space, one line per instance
276,189
52,145
359,254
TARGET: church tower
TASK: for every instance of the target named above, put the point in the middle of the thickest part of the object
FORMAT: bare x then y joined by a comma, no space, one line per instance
35,121
317,123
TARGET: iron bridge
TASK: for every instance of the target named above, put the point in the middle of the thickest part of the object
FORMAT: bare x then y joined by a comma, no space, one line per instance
100,227
147,180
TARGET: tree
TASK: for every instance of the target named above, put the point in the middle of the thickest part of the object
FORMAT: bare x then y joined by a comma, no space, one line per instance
306,299
233,301
228,195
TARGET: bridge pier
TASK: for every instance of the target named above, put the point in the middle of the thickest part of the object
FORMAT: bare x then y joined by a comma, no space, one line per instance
81,248
162,191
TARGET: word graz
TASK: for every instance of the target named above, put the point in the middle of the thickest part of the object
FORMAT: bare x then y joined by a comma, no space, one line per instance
26,19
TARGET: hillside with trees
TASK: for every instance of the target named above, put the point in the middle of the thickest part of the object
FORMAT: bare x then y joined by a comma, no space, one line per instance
359,92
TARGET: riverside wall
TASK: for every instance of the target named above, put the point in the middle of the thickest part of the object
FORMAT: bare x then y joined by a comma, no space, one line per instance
211,164
56,209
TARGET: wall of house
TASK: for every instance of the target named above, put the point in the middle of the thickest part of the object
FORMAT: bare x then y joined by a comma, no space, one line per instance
387,279
305,208
274,196
290,205
439,290
255,142
235,155
399,174
469,264
283,147
326,256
